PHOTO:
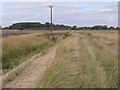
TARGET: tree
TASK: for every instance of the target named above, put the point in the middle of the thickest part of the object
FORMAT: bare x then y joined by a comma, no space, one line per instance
104,27
47,26
74,27
111,28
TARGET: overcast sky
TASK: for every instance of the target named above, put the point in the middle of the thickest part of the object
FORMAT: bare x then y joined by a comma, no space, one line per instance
68,13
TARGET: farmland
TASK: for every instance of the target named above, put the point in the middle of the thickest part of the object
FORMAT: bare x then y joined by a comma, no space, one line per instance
62,59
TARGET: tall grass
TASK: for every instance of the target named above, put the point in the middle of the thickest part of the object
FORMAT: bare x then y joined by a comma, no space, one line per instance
109,62
55,73
0,53
81,63
16,48
65,71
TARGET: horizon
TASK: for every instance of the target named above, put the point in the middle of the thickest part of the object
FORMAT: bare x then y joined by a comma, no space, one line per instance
59,24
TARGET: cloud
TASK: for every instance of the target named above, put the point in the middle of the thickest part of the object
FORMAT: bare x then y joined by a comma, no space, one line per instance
106,14
89,17
60,0
105,10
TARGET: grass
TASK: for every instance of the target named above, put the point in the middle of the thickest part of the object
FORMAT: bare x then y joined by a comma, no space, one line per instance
109,63
0,53
70,67
17,48
57,75
75,67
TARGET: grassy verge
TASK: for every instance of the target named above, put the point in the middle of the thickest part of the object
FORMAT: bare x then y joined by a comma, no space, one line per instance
16,49
107,60
109,63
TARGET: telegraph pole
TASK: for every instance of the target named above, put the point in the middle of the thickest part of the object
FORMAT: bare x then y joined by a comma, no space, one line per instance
51,16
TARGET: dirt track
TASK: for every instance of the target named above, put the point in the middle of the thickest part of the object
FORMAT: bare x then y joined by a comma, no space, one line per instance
89,47
32,73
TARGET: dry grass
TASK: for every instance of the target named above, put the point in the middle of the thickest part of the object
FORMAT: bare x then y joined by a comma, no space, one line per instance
109,61
0,53
56,75
17,47
82,62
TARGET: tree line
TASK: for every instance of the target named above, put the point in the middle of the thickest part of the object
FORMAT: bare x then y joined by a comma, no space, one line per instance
49,26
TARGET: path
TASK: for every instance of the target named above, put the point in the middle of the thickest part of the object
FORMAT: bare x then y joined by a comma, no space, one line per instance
33,72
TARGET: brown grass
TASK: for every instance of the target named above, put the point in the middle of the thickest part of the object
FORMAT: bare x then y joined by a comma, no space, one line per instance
17,47
82,62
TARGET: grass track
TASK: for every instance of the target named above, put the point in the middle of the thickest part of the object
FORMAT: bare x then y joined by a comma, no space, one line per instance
82,62
86,59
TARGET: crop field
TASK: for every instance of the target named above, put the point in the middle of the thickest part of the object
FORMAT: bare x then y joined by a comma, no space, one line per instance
61,59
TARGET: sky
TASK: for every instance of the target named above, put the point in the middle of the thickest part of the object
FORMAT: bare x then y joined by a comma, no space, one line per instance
87,13
60,0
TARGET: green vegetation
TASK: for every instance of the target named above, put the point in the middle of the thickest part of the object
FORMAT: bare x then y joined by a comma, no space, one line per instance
47,26
37,26
16,48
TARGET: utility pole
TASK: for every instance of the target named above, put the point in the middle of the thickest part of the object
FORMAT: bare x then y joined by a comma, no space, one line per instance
51,16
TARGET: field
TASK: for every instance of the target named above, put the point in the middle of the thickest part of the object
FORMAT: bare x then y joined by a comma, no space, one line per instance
62,59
